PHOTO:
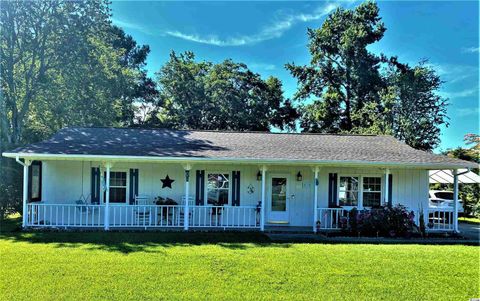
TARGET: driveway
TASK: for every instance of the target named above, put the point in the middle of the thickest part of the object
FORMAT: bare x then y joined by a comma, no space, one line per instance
470,231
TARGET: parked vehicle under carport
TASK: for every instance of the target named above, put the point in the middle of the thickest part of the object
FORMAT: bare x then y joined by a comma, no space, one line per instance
443,199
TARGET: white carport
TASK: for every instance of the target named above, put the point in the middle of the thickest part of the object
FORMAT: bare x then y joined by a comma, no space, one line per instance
456,176
465,176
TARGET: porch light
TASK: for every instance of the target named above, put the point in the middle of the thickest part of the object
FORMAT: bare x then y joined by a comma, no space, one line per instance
259,176
299,177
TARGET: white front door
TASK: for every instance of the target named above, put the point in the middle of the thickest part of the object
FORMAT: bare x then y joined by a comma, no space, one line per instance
278,197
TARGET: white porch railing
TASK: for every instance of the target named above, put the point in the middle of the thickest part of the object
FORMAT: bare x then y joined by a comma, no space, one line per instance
332,218
146,216
65,215
440,219
224,217
437,220
141,216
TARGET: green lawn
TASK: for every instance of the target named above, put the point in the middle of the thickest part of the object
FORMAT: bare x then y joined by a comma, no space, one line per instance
469,220
135,266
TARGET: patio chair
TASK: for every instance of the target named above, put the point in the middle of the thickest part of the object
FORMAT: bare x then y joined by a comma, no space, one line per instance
191,201
142,200
142,214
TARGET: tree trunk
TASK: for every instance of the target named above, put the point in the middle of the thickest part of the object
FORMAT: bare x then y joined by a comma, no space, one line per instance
348,107
348,114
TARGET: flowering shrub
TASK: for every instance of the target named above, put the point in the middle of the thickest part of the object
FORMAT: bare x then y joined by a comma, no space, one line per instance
395,221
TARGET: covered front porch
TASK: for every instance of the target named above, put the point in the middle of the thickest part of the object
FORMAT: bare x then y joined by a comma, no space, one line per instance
205,196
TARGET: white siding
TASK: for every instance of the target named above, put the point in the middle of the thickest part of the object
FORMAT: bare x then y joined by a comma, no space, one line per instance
62,183
409,187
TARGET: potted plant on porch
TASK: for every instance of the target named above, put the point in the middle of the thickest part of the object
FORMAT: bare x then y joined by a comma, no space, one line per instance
165,212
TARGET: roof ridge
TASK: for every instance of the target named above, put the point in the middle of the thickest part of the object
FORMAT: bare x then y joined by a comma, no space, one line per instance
227,131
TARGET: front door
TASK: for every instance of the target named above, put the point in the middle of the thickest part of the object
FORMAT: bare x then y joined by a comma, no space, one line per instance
278,199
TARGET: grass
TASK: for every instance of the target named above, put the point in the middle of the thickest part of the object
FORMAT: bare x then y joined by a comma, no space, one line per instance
469,220
227,266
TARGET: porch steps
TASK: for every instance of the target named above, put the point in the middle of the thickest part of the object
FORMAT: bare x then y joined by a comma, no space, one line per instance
288,230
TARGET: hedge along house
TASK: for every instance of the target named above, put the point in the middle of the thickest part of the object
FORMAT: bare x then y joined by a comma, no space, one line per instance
157,178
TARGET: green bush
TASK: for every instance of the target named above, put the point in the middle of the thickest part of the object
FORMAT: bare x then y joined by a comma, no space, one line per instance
394,222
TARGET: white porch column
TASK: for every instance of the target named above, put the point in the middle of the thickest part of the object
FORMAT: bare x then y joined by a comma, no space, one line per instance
262,212
107,197
387,186
315,199
25,164
186,214
455,200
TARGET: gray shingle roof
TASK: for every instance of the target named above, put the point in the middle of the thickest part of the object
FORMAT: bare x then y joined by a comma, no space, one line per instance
240,145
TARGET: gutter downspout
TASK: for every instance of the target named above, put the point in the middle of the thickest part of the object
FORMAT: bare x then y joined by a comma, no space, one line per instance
25,165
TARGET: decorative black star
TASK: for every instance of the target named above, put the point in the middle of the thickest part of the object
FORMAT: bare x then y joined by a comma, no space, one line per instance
167,182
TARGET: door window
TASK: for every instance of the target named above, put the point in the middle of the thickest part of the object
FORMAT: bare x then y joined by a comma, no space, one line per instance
279,194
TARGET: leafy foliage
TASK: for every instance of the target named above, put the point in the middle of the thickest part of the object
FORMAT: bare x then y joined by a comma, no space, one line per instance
415,109
342,72
224,96
387,222
63,63
356,91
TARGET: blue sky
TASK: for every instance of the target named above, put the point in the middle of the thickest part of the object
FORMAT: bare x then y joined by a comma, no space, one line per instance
266,35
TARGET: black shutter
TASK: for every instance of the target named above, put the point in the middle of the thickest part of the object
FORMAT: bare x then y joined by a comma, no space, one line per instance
133,185
235,188
95,186
332,190
200,188
390,192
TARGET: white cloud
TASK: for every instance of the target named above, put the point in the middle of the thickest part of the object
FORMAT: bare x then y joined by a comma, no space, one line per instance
463,112
210,40
131,25
267,67
471,49
274,30
452,73
460,94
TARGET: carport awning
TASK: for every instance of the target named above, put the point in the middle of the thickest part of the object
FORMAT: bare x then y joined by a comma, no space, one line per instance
446,177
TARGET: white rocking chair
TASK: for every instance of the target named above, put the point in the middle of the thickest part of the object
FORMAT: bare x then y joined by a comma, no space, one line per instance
143,215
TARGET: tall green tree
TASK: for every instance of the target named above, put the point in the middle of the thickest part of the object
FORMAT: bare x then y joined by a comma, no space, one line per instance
343,75
37,40
224,96
62,63
355,91
139,88
414,110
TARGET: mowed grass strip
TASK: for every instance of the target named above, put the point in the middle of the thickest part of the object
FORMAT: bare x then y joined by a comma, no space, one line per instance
233,266
469,220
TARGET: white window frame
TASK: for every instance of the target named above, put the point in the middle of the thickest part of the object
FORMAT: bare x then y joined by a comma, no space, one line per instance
229,173
127,189
360,189
381,189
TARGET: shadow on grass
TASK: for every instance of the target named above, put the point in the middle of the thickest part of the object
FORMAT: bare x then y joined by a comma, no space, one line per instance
128,241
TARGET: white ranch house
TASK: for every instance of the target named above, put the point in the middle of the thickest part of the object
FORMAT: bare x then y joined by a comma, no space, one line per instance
111,178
